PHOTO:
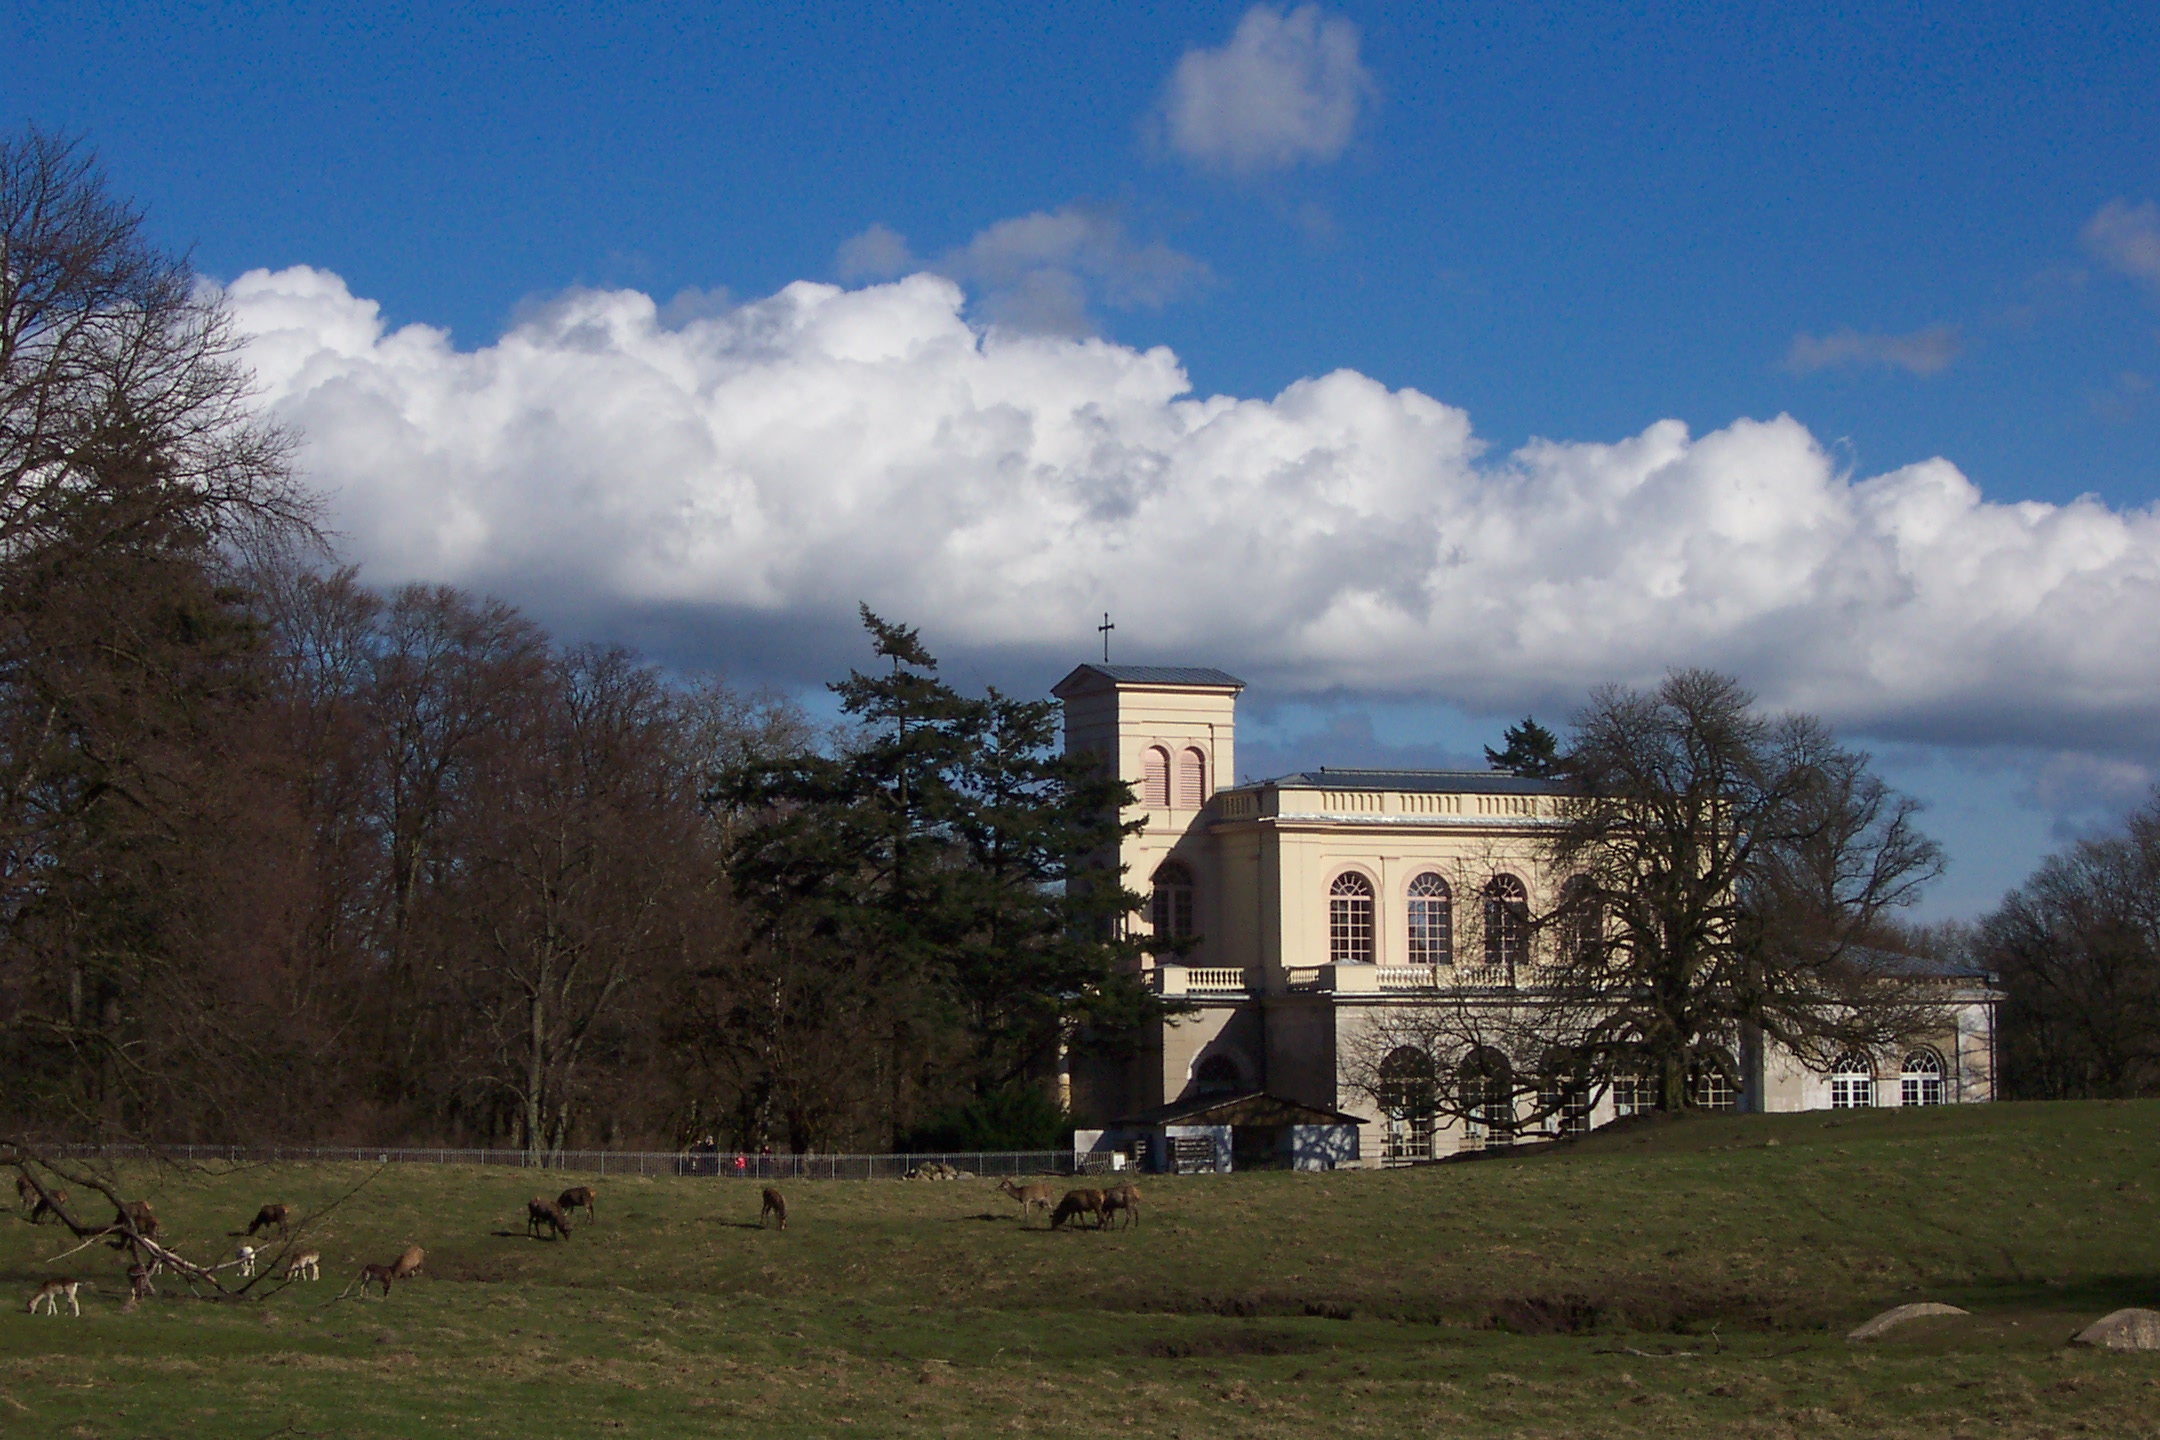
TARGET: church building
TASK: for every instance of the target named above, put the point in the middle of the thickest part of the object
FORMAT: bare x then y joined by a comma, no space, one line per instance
1314,903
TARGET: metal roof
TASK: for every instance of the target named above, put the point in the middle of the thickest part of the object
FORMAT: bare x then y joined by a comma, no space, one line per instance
1153,675
1433,782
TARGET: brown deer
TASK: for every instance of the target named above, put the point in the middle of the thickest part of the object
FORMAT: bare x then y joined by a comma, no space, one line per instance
377,1275
541,1211
409,1263
1075,1204
26,1193
1123,1200
138,1214
139,1287
1031,1197
278,1215
577,1197
49,1293
775,1206
48,1204
307,1265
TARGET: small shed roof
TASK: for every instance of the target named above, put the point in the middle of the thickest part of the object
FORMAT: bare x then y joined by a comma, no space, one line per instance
1254,1107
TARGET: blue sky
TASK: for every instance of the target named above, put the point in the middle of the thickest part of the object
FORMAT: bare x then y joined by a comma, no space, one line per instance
1919,231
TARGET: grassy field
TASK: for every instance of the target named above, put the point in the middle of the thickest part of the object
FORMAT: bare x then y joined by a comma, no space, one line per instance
1687,1279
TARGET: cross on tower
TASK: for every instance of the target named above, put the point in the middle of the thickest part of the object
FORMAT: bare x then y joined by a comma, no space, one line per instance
1106,627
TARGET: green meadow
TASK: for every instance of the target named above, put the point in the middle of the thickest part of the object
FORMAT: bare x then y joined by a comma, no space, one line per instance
1688,1278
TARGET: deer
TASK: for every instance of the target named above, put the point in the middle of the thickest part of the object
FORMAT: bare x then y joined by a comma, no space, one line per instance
377,1275
244,1257
577,1197
1125,1199
26,1192
307,1265
540,1211
1075,1204
269,1215
49,1293
138,1214
1029,1196
775,1206
48,1204
139,1286
409,1263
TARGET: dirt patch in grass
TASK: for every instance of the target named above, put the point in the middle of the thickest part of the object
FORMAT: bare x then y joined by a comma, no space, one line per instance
1220,1344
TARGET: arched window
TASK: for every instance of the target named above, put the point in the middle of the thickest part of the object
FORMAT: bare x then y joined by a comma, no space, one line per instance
1219,1074
1582,921
1563,1095
1432,921
1710,1080
1408,1095
1507,926
1852,1082
1487,1088
1921,1084
1350,920
1191,779
1171,904
1634,1092
1155,777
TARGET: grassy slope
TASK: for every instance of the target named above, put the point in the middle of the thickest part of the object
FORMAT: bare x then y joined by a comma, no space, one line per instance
925,1308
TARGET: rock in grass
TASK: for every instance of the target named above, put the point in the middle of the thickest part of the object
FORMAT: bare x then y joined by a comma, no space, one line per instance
1890,1319
2131,1329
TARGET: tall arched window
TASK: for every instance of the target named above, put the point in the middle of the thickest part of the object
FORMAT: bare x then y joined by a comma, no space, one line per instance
1155,777
1219,1074
1171,904
1507,925
1852,1082
1408,1095
1350,920
1488,1100
1191,779
1582,921
1921,1084
1432,921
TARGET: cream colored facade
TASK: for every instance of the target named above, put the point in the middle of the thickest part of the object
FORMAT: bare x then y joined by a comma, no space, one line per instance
1276,1008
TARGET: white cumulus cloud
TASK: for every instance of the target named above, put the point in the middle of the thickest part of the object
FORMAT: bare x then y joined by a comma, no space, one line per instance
775,463
1286,89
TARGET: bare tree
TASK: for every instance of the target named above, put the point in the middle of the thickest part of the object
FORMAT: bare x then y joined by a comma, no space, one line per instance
1715,878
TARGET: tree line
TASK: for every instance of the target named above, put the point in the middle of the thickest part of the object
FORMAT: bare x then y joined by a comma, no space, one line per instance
283,857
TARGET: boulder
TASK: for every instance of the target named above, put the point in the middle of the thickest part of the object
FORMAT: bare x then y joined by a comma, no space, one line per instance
1890,1319
2131,1329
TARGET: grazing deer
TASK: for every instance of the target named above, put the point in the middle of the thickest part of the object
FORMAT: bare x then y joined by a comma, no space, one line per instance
577,1197
775,1206
49,1293
1075,1204
307,1265
1030,1197
139,1287
377,1275
409,1263
1125,1200
244,1257
269,1215
539,1211
48,1204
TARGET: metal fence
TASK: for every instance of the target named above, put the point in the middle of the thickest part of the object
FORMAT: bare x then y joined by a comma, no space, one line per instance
722,1165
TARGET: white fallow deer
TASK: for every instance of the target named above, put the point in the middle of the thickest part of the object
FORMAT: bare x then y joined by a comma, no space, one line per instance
49,1293
307,1265
244,1257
